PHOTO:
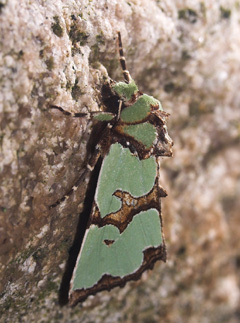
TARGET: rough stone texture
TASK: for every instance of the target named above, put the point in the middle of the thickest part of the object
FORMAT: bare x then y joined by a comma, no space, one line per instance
185,53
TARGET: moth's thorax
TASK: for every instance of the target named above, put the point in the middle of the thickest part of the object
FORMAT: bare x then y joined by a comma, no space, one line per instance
142,122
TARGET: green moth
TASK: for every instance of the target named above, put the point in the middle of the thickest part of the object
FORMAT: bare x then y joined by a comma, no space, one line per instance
124,235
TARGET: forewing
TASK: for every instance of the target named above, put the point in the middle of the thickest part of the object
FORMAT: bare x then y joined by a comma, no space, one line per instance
124,237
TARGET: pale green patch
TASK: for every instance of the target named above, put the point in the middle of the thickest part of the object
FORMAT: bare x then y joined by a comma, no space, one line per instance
104,116
124,256
122,170
140,109
125,90
144,133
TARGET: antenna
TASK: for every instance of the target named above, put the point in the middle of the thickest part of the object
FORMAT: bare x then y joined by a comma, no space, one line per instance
126,73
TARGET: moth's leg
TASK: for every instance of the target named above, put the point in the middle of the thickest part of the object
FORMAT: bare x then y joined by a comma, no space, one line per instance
89,167
67,113
89,115
122,59
119,109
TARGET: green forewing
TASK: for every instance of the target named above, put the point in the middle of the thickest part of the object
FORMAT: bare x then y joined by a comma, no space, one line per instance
144,133
122,170
124,256
139,110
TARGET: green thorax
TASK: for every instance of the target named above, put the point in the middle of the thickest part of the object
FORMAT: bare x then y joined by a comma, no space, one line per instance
140,110
135,115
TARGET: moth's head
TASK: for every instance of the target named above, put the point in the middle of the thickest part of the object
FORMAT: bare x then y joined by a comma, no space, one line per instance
125,91
113,91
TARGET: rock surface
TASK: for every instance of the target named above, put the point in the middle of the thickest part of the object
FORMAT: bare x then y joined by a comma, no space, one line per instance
184,53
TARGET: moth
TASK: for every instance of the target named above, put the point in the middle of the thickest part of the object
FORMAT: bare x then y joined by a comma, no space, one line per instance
124,235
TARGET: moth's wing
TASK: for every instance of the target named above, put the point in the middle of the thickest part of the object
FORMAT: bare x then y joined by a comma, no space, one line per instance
125,234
